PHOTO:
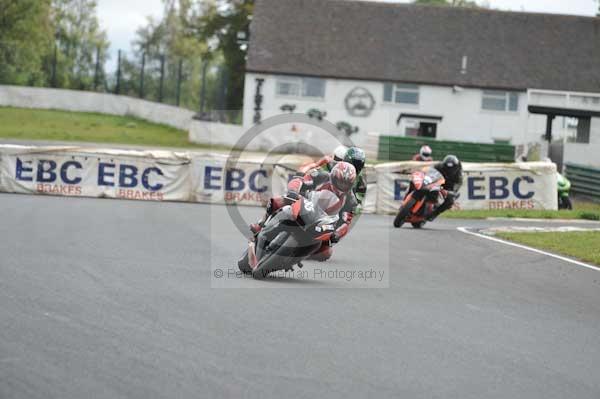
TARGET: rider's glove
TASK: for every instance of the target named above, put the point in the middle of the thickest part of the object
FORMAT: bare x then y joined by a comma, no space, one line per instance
347,217
339,233
291,196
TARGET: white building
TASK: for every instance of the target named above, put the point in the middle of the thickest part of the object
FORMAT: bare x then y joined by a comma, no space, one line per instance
450,73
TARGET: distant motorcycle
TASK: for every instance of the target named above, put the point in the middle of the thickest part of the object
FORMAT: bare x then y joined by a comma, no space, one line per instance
564,187
423,194
291,235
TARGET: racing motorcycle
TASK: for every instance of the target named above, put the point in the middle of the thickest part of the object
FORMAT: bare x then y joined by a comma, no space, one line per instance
423,194
564,187
291,235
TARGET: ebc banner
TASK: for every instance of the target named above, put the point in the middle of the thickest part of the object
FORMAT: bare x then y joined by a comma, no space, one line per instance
95,174
485,186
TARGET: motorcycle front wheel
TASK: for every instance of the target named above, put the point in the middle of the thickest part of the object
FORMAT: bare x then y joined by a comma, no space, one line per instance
244,264
275,259
403,213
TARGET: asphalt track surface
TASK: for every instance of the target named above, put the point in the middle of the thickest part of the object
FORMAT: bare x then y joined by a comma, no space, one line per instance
116,299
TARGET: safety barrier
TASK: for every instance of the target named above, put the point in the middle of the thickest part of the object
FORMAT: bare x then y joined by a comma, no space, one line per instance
397,148
214,178
585,180
529,185
143,175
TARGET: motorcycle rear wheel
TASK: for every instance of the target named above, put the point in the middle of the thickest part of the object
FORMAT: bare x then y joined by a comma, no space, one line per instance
418,225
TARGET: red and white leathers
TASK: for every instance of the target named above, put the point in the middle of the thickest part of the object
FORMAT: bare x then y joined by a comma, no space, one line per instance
317,180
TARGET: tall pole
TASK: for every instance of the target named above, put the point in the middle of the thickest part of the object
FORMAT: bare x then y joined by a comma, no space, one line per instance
54,61
162,78
203,89
97,70
118,87
141,94
223,93
179,81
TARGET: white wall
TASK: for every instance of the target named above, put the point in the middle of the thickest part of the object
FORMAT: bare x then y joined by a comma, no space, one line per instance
595,132
582,154
463,118
86,101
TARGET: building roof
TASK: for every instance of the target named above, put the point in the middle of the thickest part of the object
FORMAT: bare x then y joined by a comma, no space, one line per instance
425,44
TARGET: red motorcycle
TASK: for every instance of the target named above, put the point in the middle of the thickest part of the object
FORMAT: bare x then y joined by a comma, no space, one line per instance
423,195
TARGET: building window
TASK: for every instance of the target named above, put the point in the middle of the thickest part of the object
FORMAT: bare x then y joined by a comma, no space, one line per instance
400,93
288,87
300,87
494,100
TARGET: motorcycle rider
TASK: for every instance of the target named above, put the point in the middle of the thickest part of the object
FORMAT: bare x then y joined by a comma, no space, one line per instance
339,181
356,157
328,161
451,169
424,154
353,155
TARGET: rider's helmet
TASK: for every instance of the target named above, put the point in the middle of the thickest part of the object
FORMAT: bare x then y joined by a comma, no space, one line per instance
425,153
450,165
356,157
343,176
339,153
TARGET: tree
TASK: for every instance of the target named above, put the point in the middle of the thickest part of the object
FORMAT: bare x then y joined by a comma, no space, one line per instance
171,39
223,23
25,38
79,39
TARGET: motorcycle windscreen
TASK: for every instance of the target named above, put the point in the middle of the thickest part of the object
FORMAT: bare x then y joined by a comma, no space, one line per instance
432,176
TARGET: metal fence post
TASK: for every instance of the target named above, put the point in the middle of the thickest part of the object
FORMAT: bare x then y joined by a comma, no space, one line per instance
54,61
118,87
179,81
141,93
223,94
203,89
97,70
162,78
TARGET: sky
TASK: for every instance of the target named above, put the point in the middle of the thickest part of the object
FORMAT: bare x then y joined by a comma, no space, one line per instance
121,18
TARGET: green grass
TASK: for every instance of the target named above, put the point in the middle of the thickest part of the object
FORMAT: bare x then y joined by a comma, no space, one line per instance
52,125
583,245
582,210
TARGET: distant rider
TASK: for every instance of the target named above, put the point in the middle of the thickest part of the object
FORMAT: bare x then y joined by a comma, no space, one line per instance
451,169
424,154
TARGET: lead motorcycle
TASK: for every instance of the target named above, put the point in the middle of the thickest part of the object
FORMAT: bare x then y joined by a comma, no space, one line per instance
291,235
424,193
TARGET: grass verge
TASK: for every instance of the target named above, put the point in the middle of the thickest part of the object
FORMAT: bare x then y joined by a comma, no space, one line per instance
583,245
582,210
54,125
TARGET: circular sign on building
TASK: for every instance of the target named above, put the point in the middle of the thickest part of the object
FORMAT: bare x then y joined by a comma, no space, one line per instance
359,102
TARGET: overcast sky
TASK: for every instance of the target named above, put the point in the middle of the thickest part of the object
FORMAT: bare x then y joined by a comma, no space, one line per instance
121,18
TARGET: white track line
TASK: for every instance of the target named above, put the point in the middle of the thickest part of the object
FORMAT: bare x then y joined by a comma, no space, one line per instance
563,258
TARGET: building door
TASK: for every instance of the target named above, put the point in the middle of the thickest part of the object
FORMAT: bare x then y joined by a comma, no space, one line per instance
428,129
